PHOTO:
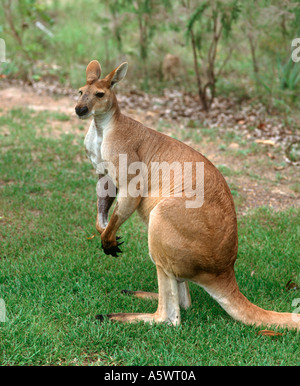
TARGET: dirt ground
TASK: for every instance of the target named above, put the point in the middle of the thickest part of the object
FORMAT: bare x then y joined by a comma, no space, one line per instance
262,178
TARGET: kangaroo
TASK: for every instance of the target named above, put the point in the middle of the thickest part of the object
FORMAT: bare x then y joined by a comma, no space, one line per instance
187,244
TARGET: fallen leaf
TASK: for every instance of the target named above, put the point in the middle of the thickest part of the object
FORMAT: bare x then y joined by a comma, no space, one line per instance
261,126
269,333
278,191
91,237
266,142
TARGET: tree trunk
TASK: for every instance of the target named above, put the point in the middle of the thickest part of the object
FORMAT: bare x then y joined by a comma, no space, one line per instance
253,55
201,91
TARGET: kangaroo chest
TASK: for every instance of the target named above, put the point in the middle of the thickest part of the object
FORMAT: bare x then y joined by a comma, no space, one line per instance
92,142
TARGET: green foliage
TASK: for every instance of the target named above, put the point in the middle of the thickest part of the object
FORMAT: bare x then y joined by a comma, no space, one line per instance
31,9
252,34
229,15
227,11
289,74
195,17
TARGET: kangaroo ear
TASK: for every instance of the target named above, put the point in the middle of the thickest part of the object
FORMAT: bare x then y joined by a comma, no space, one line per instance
117,75
93,71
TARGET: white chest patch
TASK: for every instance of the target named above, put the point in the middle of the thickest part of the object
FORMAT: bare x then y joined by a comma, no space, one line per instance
92,142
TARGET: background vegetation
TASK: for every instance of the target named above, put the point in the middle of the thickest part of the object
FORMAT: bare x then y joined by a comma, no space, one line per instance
225,46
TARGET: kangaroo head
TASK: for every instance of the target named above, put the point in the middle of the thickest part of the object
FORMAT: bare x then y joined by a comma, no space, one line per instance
97,96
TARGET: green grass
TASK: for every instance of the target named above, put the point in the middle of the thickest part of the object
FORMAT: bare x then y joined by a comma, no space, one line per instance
54,280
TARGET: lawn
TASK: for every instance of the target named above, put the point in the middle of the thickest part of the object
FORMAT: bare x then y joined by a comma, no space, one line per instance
54,278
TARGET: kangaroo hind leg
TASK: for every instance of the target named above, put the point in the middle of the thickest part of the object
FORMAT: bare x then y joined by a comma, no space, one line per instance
183,293
168,310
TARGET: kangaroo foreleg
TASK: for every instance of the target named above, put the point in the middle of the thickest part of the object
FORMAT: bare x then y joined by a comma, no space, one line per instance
104,203
124,208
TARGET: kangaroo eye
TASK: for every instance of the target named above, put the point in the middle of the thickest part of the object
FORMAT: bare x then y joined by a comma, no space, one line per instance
100,94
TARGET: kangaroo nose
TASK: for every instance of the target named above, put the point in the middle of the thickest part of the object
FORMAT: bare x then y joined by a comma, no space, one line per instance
81,110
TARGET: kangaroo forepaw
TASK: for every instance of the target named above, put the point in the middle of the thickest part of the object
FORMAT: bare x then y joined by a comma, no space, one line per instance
112,250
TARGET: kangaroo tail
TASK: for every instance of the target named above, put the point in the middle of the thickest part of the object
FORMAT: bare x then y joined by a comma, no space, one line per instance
224,289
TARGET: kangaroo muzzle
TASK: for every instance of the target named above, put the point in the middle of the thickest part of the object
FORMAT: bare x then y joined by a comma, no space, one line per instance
81,111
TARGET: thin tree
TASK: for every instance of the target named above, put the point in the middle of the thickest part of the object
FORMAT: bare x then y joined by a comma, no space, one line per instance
206,25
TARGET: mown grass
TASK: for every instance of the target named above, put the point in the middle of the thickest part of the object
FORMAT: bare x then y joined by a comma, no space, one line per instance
54,280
